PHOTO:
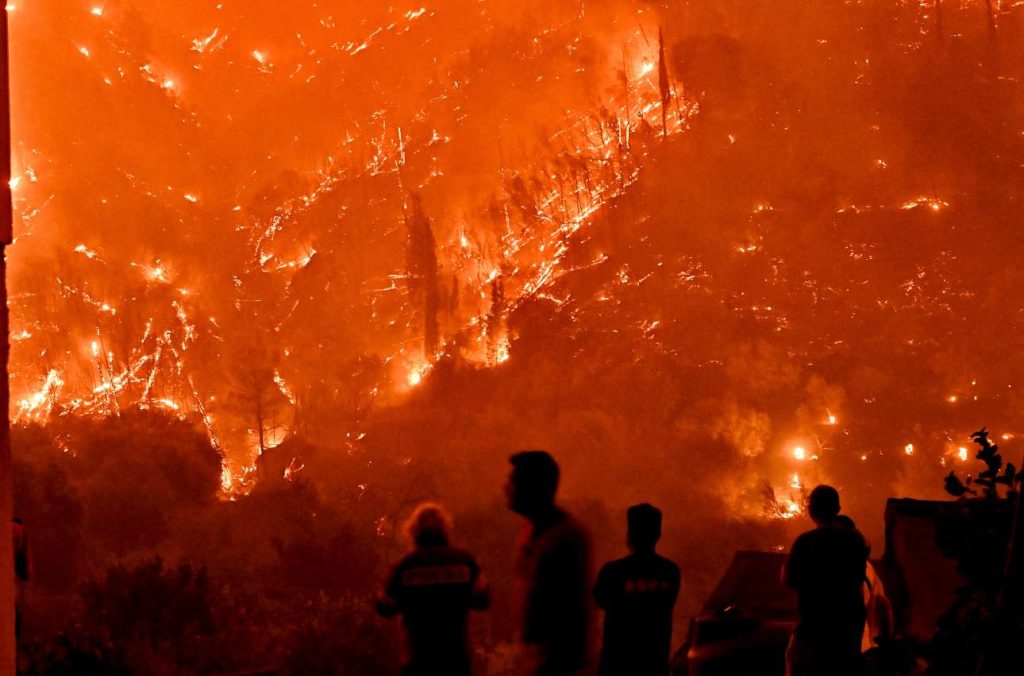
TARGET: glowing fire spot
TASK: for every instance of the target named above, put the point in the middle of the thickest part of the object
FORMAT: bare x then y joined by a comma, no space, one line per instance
86,251
832,420
932,203
292,469
646,68
501,352
961,453
952,398
157,273
85,51
800,454
795,482
97,11
909,449
14,182
259,56
39,404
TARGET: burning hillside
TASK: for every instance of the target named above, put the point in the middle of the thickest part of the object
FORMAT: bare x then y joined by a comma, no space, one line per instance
296,190
797,246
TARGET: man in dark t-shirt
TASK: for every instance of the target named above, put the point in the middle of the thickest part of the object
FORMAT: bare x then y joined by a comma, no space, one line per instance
827,567
434,587
638,594
553,569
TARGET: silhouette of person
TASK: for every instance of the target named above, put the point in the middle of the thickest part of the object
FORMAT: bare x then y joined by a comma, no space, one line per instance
22,568
637,594
434,587
553,568
827,568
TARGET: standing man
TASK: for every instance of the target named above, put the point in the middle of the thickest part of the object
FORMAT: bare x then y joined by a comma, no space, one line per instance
553,568
434,587
637,594
827,568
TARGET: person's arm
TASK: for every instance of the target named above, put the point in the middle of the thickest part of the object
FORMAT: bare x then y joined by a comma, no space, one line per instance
676,583
480,592
791,568
602,589
388,604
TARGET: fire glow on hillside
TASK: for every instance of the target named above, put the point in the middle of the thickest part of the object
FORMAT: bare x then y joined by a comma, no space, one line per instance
231,210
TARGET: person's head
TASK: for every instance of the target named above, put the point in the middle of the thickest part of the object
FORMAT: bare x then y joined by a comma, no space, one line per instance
429,525
823,505
532,483
644,524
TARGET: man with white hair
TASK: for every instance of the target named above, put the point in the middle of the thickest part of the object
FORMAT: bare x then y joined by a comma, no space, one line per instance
434,587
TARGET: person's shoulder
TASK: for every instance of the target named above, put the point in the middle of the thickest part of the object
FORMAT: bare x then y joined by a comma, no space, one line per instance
807,537
460,555
857,540
616,567
569,529
667,565
811,540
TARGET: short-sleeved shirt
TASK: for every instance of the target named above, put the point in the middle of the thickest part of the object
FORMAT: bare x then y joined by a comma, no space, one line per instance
554,567
638,594
434,588
827,567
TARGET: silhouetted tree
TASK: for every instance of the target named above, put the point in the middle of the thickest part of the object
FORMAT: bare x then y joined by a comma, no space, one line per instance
977,536
422,270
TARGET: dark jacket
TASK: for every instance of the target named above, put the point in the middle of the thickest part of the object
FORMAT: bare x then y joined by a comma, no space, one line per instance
434,588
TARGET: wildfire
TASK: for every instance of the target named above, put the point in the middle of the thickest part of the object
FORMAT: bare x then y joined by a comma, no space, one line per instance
315,222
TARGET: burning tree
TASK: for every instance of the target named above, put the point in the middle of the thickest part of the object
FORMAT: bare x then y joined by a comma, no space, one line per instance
422,273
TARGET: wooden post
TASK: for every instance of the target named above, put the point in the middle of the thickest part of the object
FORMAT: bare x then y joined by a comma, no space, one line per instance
8,647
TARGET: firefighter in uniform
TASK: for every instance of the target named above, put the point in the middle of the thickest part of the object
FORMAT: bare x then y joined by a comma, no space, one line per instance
433,588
